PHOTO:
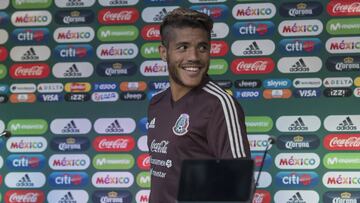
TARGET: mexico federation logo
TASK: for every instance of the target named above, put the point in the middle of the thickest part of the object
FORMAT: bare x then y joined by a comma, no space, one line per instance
181,126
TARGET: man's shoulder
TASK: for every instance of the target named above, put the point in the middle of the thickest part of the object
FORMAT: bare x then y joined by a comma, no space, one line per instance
215,94
158,96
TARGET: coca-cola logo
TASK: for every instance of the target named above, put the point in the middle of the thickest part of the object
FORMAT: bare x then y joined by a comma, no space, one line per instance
342,142
252,66
261,196
29,71
151,32
24,196
344,8
3,53
114,143
118,16
219,48
143,162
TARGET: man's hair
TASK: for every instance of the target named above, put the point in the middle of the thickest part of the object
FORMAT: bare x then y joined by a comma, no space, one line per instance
184,17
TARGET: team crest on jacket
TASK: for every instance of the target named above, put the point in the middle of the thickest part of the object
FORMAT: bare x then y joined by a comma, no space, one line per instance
181,126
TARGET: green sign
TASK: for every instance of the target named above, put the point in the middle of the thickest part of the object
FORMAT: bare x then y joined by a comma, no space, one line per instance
218,67
345,26
27,126
342,160
259,124
143,179
113,161
3,71
31,4
124,33
150,50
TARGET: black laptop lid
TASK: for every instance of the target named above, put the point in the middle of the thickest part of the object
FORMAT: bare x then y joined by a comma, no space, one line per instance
216,180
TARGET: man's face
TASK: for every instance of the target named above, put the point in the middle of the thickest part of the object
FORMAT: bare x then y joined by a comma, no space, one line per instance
187,55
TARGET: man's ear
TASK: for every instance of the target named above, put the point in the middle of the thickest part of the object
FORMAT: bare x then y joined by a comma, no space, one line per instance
163,52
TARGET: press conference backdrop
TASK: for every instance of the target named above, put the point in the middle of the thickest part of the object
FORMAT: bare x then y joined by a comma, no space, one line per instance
76,77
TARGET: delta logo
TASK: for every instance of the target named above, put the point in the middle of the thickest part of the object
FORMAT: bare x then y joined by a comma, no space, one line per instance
252,66
154,68
114,196
30,35
253,11
297,180
300,46
300,28
68,179
343,8
24,196
216,12
25,161
31,18
151,32
218,48
116,69
253,28
302,9
341,142
343,63
118,16
76,51
143,161
114,143
338,45
29,71
74,17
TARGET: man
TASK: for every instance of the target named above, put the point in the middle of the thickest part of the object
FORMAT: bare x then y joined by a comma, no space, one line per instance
194,118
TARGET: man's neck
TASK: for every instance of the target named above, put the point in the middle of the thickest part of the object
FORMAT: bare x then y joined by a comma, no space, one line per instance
177,91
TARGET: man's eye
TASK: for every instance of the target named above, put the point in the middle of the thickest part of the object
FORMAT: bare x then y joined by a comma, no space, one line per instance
182,47
204,48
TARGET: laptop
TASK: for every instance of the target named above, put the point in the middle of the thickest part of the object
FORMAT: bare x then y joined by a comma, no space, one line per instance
216,181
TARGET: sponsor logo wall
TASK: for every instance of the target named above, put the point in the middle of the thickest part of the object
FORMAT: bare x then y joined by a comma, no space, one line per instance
76,77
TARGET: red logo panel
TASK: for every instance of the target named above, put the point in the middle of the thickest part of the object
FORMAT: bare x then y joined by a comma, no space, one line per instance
143,161
252,66
3,54
151,32
24,196
118,16
29,71
219,48
344,8
342,142
114,143
261,196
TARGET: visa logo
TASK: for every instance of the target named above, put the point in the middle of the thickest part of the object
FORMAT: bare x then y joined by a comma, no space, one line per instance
161,85
307,93
50,97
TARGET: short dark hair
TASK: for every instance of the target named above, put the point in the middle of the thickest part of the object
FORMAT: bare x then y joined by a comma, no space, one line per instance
184,17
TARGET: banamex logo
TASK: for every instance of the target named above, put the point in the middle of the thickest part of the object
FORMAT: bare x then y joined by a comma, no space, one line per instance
253,11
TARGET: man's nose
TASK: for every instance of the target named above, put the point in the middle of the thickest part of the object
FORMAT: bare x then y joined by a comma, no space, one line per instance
192,54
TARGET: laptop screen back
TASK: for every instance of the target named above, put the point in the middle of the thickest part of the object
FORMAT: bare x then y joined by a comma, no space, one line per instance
216,180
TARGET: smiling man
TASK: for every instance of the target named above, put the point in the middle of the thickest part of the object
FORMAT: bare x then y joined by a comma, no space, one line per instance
194,118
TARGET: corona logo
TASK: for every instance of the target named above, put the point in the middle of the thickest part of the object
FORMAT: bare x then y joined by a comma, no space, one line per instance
348,60
345,195
301,6
75,13
70,141
112,194
298,138
117,66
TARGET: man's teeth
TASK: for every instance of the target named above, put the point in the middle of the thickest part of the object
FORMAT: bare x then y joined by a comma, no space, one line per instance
191,69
